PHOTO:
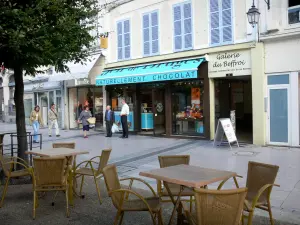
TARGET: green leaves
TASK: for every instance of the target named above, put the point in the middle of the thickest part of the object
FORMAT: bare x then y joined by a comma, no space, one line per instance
35,33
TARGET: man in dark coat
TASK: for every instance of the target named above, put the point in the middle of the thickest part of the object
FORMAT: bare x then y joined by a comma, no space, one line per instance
109,119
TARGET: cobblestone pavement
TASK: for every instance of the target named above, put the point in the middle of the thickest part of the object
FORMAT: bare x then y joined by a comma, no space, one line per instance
139,153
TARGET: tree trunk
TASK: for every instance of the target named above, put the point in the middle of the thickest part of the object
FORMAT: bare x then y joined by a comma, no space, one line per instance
20,112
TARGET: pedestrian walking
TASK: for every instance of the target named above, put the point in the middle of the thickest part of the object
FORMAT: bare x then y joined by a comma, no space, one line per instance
53,120
36,121
124,114
84,116
109,119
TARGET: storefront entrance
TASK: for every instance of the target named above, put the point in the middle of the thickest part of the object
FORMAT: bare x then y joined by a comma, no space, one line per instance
235,94
152,115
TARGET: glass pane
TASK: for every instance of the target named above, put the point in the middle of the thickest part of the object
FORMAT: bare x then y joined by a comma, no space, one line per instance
28,106
278,79
98,95
44,106
51,97
279,115
73,104
59,111
58,92
187,107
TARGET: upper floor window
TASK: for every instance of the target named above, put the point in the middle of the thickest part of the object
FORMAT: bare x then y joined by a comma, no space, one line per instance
183,29
221,22
150,34
123,32
294,11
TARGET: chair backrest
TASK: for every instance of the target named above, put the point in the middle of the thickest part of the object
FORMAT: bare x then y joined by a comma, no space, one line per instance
260,174
112,183
64,145
5,165
216,207
104,159
173,160
50,171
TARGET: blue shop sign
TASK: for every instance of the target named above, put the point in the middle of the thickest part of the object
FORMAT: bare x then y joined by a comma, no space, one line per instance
177,70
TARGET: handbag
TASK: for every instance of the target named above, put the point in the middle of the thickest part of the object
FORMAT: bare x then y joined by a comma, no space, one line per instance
91,120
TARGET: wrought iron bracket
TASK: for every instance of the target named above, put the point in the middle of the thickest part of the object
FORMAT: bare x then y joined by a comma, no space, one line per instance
268,3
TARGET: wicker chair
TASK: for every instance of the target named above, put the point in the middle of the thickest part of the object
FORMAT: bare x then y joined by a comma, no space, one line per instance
50,174
70,145
8,165
260,181
173,160
89,170
215,207
120,197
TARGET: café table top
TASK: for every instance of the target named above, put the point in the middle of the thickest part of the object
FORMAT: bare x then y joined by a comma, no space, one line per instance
56,152
187,175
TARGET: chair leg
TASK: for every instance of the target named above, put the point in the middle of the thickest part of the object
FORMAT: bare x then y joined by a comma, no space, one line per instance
191,203
98,190
4,191
117,217
81,185
54,197
270,213
160,218
67,202
34,203
121,218
250,217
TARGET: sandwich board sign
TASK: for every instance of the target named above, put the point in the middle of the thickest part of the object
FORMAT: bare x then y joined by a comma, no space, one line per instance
225,128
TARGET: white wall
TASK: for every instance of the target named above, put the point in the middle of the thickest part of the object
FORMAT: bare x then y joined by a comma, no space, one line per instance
282,55
200,9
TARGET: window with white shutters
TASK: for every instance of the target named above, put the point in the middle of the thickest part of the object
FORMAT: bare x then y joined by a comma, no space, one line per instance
221,31
183,29
150,34
123,42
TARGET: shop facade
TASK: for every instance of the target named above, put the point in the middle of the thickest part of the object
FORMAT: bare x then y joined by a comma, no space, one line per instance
81,93
162,104
42,92
282,91
164,98
237,90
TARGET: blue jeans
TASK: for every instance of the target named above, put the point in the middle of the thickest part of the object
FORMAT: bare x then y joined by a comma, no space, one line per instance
36,127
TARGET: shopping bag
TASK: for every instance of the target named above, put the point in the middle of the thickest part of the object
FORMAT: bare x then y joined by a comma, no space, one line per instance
114,128
91,120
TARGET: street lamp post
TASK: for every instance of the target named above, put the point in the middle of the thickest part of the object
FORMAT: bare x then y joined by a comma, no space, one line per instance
253,13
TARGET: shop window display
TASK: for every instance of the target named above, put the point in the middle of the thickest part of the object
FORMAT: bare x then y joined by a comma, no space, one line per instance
187,107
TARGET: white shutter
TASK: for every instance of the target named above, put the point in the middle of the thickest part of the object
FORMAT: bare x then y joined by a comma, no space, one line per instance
126,39
214,22
177,27
120,40
187,15
154,33
146,34
226,21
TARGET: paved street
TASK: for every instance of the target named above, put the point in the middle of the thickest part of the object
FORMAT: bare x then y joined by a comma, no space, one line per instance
140,153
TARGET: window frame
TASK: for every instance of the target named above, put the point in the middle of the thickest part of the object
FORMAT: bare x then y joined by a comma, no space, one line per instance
220,10
123,39
150,33
181,4
292,25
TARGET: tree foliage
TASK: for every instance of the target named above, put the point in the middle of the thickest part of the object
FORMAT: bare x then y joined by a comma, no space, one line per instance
39,33
35,33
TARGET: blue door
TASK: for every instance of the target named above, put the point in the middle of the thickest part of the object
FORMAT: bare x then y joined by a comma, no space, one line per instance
278,115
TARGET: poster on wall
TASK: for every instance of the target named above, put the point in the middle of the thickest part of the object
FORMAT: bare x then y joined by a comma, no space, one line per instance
130,120
231,63
196,95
